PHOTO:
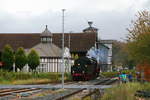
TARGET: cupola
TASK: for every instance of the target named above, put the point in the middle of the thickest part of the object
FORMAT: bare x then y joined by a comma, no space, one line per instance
46,36
90,29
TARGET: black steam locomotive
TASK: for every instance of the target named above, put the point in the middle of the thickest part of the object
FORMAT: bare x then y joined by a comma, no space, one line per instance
85,68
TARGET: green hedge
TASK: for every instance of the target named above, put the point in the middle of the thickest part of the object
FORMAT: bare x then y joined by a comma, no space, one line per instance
115,73
11,76
109,74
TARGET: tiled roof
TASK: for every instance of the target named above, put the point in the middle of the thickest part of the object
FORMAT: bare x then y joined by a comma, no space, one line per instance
19,40
48,50
79,42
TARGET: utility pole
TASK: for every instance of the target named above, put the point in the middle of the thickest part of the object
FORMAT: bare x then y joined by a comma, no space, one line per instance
69,40
63,10
69,58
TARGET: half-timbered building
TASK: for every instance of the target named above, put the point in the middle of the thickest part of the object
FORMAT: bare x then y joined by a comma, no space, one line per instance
48,45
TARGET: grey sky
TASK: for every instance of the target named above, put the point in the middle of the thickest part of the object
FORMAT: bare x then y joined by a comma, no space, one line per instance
111,17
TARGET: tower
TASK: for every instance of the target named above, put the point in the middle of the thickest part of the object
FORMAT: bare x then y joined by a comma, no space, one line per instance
46,36
90,29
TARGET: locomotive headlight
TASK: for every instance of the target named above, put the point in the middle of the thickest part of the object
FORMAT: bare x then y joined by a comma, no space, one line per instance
78,64
85,65
72,71
83,72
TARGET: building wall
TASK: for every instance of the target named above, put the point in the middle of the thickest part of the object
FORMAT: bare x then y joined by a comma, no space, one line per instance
109,61
108,43
103,56
51,65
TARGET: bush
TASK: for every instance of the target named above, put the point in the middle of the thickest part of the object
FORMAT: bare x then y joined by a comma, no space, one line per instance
115,73
124,91
68,76
109,74
13,76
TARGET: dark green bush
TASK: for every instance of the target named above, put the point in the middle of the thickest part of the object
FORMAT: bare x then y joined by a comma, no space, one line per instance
10,76
115,73
109,74
68,76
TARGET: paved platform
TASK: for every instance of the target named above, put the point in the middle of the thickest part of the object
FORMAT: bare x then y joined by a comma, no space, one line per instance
55,86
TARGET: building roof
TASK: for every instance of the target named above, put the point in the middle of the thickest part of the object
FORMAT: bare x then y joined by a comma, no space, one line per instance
79,42
19,40
106,41
101,44
90,29
48,50
46,32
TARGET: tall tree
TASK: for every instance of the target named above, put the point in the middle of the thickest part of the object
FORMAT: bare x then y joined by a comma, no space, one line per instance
20,58
140,26
120,56
138,42
33,59
8,57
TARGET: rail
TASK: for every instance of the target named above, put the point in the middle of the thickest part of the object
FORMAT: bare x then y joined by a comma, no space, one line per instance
106,82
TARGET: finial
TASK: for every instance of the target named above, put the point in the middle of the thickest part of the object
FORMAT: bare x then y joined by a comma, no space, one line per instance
90,23
46,26
63,9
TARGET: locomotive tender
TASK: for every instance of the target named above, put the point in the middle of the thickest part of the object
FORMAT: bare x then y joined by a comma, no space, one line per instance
85,68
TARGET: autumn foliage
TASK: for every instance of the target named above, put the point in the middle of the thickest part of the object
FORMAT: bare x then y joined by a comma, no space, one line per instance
145,69
138,43
138,40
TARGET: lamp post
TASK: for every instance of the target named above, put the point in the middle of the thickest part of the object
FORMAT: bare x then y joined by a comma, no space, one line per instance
63,10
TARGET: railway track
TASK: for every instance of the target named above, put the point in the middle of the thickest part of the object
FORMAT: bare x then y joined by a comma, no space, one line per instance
103,82
22,92
59,96
8,92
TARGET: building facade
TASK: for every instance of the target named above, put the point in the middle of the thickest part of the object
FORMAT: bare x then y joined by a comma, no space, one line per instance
109,44
48,45
50,54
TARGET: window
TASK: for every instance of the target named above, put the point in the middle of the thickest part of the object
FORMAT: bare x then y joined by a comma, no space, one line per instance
48,39
44,39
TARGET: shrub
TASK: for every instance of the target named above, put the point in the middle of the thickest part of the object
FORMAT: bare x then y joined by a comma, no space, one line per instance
16,76
7,57
20,58
124,91
109,74
68,76
33,59
115,73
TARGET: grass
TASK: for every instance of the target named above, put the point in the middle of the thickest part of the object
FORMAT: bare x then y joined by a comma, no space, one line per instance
30,78
31,81
124,91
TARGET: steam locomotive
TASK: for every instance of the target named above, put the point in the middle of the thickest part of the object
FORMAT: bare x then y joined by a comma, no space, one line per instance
85,68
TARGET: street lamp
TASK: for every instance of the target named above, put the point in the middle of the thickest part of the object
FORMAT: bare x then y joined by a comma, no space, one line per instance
63,10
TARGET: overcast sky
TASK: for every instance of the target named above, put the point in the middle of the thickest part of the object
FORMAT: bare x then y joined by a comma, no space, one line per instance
111,17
